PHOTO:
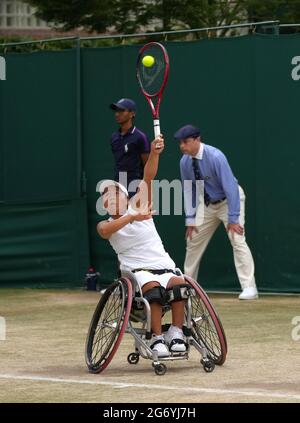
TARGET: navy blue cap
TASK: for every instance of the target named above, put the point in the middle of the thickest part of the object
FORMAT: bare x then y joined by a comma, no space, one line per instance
187,131
124,104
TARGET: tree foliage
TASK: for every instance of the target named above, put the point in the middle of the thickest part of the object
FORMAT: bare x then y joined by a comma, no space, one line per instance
128,16
286,11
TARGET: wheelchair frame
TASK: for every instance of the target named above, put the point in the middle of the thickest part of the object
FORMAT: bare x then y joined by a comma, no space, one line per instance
133,302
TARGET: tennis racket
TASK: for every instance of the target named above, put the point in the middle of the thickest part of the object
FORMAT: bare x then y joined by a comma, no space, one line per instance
153,79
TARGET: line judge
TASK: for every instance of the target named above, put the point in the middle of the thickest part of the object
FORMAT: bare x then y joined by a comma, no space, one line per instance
224,202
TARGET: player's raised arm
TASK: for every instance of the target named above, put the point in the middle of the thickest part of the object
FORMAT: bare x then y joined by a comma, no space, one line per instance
151,167
144,194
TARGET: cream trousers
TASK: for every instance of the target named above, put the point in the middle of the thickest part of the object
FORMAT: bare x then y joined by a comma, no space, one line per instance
214,214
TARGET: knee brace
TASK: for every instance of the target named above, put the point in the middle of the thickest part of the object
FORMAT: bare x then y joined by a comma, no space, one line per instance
178,293
158,294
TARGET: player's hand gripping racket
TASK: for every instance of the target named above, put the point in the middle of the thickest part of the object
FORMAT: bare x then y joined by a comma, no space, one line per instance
152,71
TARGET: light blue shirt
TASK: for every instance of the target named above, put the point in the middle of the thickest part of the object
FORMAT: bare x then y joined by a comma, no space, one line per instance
219,182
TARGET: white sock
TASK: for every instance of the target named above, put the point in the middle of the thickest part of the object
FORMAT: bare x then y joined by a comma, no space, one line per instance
174,329
158,336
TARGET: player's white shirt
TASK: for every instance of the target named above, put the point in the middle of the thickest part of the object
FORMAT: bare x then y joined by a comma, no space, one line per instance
138,245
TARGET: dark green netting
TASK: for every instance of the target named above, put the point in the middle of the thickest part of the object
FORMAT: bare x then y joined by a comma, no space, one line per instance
239,91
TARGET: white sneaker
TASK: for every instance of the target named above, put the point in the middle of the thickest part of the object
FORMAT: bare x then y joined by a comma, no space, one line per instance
175,339
158,344
249,293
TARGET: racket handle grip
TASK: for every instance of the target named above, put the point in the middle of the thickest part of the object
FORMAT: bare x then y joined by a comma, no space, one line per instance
156,126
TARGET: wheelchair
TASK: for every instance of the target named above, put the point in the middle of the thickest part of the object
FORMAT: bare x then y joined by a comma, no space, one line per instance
122,307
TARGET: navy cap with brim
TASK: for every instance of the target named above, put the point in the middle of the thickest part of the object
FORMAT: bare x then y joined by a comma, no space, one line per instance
116,106
124,104
187,131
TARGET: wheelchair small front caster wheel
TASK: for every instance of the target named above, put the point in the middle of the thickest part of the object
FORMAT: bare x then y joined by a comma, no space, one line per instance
160,369
208,365
133,358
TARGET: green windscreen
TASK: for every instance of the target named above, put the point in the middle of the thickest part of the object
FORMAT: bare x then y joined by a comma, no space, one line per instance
239,91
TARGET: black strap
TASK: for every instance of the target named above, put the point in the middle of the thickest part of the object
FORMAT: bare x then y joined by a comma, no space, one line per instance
158,341
176,341
177,292
218,201
155,271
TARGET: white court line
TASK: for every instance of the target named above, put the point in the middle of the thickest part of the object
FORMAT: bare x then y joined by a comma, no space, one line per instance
254,393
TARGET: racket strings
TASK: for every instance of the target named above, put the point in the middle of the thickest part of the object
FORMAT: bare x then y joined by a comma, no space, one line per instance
151,78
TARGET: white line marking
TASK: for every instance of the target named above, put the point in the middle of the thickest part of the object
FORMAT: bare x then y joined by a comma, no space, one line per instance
256,393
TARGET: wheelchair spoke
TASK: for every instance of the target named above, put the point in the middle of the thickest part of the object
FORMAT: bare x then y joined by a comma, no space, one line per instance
204,327
106,325
210,338
103,340
104,336
99,347
112,304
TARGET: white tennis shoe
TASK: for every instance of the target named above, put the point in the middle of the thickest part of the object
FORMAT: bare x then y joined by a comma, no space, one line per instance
175,339
249,293
158,344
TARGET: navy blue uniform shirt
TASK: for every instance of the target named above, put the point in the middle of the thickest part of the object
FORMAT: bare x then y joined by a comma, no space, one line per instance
127,150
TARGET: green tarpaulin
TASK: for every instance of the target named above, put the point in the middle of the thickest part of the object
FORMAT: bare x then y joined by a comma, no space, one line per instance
239,91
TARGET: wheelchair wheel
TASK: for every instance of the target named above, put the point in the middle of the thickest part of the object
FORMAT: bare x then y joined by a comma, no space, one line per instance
160,369
207,328
133,358
208,365
108,325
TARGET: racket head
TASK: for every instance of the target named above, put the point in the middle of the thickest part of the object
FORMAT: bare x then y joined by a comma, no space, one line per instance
153,79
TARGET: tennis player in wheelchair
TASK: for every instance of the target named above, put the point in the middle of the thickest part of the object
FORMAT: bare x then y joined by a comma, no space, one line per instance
132,234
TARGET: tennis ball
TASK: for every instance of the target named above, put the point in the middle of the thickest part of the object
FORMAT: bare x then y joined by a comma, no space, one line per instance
148,61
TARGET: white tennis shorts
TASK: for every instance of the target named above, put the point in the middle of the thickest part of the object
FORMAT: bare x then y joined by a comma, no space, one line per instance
144,277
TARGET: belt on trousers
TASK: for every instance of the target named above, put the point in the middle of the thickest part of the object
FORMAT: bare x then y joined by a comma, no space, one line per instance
155,271
218,201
